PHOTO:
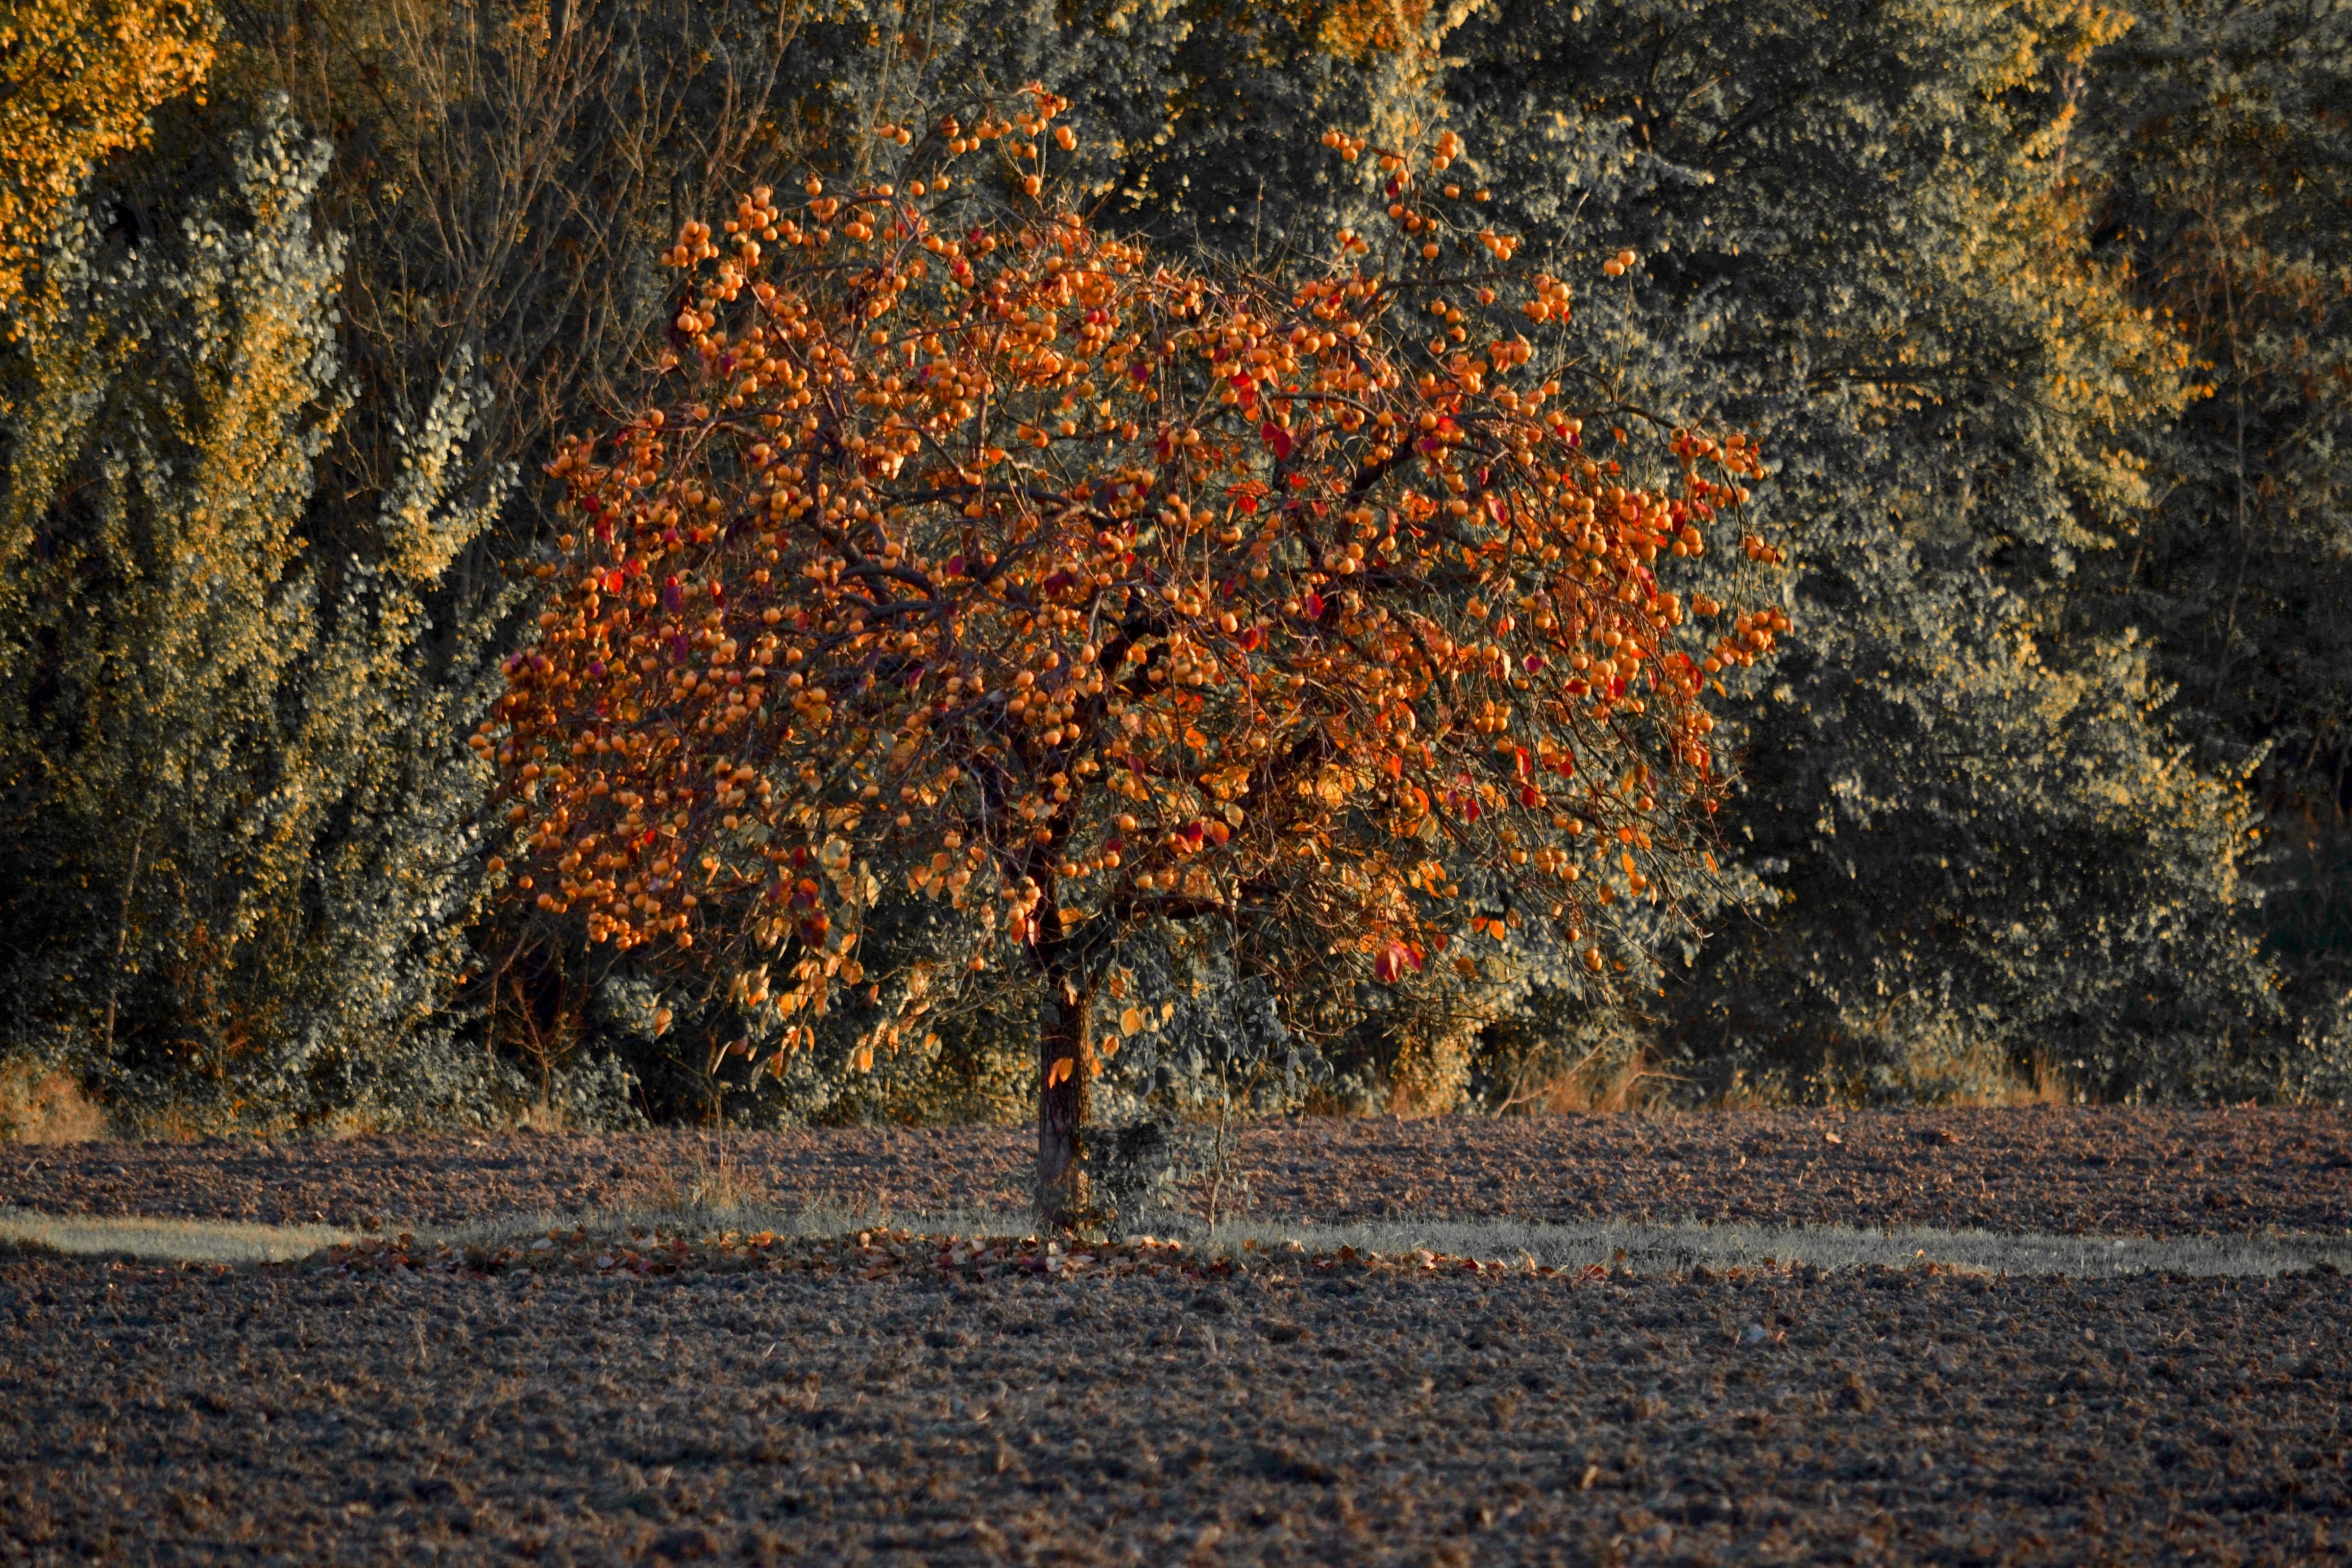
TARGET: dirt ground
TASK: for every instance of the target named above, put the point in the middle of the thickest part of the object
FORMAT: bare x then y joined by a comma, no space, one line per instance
1289,1413
2107,1172
161,1416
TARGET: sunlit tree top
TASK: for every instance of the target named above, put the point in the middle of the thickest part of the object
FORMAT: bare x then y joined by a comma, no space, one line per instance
966,549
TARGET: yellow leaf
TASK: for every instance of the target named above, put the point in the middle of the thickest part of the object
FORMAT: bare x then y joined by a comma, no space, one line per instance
1131,1022
1062,1069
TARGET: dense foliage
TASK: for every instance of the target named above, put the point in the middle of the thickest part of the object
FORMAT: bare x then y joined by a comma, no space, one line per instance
2221,162
1986,851
77,81
2035,310
235,795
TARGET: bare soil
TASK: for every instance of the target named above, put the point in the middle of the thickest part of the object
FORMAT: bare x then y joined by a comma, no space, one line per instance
2099,1171
157,1416
1288,1412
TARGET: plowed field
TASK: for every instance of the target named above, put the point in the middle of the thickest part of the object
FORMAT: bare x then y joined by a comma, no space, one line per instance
1290,1412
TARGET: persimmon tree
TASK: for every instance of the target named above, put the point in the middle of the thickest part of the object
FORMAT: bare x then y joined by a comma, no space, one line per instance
964,548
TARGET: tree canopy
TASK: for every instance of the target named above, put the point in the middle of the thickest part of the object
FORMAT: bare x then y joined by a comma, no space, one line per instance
971,550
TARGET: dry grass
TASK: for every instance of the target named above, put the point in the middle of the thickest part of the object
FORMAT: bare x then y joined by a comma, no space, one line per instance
714,1186
39,1106
2044,1085
1594,1086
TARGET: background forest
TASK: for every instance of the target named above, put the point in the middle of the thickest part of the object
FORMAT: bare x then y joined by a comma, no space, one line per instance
2041,313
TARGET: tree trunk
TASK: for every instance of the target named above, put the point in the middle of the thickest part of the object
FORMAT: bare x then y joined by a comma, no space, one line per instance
122,946
1064,1081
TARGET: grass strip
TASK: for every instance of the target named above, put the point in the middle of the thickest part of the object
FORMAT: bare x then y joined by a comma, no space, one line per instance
981,1244
1681,1247
978,1244
141,1239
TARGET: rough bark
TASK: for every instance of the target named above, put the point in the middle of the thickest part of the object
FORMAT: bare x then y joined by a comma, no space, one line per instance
1065,1187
